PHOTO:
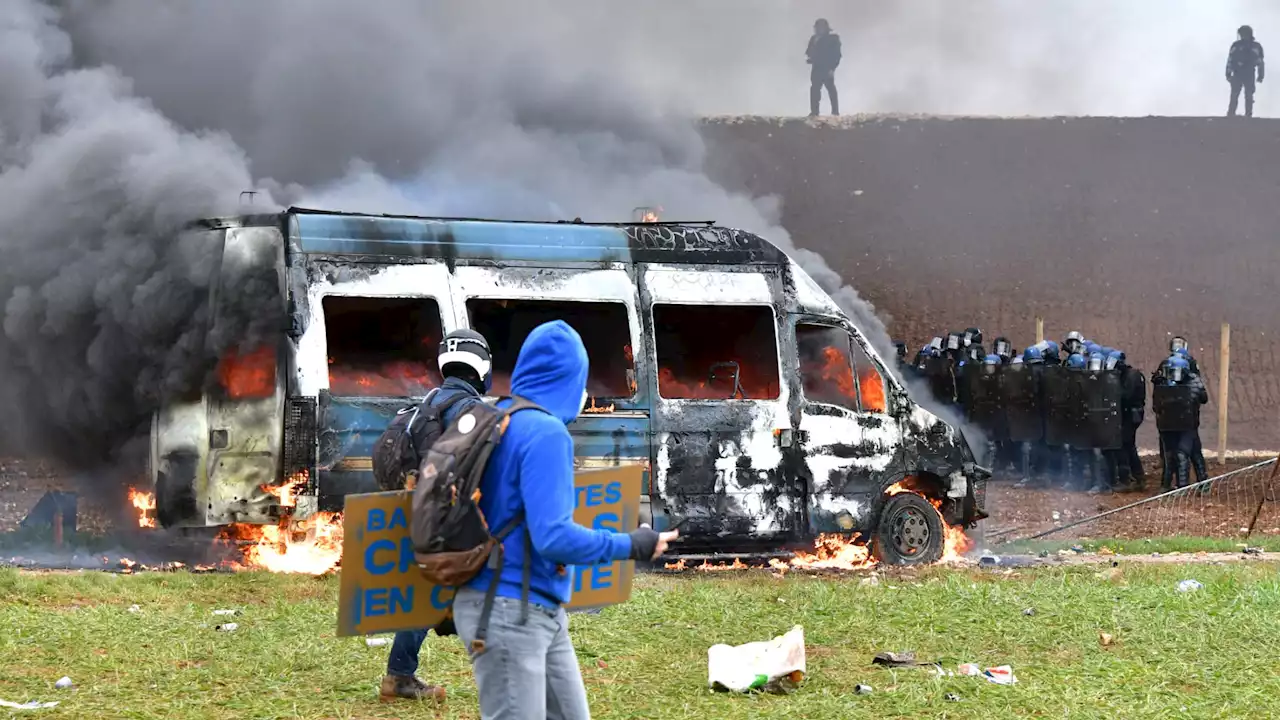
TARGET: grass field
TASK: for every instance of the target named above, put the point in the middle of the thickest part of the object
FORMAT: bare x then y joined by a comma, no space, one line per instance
1201,654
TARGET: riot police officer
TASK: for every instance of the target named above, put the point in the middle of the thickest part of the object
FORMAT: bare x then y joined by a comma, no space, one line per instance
1051,353
985,408
1176,400
940,368
1132,413
1102,392
1065,430
1022,388
1004,349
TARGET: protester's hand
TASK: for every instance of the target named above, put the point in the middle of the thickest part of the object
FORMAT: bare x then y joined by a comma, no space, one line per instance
647,545
663,539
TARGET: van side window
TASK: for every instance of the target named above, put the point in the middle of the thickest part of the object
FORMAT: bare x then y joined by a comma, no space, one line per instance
826,367
382,347
716,352
604,327
870,383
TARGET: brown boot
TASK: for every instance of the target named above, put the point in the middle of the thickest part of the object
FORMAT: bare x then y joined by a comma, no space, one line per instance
401,687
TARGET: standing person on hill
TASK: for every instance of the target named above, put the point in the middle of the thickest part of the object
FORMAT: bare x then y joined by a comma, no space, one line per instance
824,56
1243,61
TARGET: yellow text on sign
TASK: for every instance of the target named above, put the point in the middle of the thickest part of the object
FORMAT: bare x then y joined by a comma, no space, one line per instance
381,589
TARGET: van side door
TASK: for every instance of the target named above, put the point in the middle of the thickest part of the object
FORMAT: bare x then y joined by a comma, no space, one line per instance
719,406
850,446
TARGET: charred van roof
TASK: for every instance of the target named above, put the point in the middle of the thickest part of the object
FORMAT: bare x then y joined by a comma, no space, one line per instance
322,232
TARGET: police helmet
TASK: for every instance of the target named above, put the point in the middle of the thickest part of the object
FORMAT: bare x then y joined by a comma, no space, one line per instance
1177,343
1177,369
1033,355
465,354
1075,361
1074,342
1115,359
1095,362
972,336
935,343
953,341
1017,360
1003,347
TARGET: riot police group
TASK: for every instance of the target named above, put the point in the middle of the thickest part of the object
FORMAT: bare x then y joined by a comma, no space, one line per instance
1068,415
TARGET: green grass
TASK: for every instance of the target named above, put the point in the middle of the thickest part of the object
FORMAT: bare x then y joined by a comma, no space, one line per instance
1144,546
1202,654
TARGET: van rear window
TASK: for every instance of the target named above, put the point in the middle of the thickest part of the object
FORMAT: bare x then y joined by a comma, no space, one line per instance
716,352
382,347
604,326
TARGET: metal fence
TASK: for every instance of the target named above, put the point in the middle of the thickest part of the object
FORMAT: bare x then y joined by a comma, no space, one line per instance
1239,504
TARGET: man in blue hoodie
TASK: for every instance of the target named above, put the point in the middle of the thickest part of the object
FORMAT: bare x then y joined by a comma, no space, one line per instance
528,668
468,373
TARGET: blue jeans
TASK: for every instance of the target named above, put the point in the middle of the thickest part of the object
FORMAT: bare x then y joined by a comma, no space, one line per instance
527,672
403,659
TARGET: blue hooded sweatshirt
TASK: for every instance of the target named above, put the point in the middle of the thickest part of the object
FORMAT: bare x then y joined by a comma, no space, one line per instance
532,470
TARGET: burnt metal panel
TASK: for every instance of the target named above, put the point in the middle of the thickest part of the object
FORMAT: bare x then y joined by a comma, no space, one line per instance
452,240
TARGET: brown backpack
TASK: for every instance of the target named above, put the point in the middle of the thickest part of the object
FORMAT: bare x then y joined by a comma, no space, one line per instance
452,541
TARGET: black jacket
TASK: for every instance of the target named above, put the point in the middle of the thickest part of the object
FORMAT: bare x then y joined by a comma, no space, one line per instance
824,51
1134,403
1245,56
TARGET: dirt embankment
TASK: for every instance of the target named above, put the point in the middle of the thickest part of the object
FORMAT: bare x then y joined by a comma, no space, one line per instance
1128,229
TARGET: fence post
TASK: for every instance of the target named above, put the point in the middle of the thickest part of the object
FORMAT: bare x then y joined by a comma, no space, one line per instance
1039,330
1224,396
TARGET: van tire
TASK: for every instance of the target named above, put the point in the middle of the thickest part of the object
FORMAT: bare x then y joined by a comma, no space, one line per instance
910,532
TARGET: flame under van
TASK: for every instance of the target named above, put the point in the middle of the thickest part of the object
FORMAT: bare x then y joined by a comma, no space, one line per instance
761,414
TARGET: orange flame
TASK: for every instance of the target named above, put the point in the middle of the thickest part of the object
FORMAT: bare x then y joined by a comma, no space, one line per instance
248,375
596,409
312,546
145,503
872,386
836,368
836,552
288,492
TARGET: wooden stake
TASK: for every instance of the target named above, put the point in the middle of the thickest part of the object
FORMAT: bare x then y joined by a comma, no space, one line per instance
1224,396
1039,329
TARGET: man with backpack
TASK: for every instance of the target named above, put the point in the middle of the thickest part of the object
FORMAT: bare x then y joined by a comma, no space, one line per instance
465,364
510,614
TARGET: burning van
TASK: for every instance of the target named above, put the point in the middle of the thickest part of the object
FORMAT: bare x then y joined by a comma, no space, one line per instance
761,413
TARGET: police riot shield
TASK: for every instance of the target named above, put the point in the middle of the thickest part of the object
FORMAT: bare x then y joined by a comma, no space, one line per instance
1102,393
985,407
1060,414
941,381
1021,396
1175,407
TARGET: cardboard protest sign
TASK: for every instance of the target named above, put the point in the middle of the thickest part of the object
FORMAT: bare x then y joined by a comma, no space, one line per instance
381,589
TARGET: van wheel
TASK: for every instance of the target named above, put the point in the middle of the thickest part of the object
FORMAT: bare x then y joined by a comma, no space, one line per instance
909,532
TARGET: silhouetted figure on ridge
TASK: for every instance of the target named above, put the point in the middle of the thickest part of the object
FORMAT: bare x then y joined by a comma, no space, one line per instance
824,56
1243,61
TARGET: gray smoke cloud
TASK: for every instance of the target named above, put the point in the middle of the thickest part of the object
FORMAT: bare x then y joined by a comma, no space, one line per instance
103,291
